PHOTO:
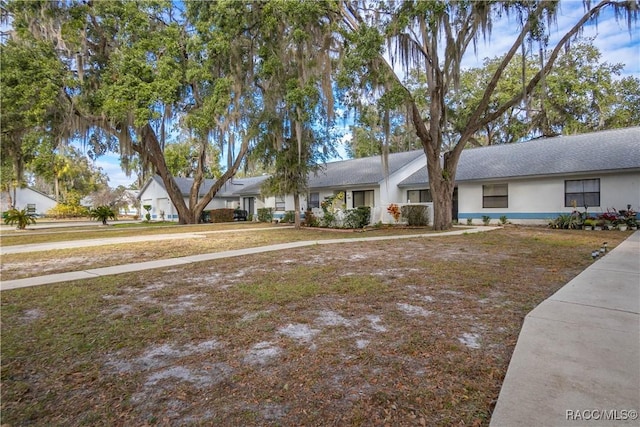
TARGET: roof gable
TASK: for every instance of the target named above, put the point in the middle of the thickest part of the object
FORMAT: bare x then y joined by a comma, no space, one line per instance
362,171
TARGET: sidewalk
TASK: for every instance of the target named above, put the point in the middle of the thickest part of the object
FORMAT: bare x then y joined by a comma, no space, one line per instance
577,360
170,262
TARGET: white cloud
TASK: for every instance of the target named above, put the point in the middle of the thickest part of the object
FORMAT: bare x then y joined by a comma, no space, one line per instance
110,164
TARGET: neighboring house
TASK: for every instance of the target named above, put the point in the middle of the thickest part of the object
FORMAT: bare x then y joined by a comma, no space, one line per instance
528,182
535,181
154,194
27,198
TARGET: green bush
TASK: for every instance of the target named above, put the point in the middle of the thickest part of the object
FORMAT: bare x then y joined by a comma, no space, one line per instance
358,217
486,219
221,215
328,220
416,215
265,214
289,217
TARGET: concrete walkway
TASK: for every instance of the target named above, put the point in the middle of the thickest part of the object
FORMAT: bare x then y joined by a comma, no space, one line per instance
577,360
171,262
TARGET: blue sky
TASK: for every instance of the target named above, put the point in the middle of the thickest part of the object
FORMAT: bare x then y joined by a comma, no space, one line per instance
613,38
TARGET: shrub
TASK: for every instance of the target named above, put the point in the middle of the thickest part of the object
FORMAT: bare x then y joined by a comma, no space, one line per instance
328,219
358,217
503,219
102,213
21,218
416,215
289,217
570,221
332,209
221,215
486,219
265,214
469,221
310,220
147,216
64,210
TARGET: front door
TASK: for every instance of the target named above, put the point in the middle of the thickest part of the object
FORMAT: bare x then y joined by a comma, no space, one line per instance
248,205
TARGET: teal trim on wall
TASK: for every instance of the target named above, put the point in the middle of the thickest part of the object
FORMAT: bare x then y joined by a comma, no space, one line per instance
510,215
520,215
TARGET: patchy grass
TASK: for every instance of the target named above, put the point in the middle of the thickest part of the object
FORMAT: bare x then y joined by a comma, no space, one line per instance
30,264
412,332
10,236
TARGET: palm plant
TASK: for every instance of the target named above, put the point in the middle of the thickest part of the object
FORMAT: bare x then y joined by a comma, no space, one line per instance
102,213
21,218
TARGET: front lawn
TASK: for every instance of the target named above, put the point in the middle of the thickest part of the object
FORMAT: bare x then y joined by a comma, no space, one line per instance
408,332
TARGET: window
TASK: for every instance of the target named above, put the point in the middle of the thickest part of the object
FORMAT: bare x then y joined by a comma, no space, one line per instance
279,203
419,196
582,192
495,196
314,200
362,198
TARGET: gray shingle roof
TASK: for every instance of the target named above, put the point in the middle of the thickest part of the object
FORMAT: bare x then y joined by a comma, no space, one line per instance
363,171
610,150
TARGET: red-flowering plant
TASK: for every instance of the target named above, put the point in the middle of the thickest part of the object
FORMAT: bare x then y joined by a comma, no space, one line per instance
394,211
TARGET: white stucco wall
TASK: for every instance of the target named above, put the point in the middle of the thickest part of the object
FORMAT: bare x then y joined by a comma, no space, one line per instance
156,196
389,190
26,196
540,200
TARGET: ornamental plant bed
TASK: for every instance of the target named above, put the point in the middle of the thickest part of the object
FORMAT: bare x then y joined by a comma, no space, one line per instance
411,332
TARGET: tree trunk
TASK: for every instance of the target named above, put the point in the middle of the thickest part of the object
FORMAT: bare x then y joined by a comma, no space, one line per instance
296,207
197,209
154,151
12,199
441,184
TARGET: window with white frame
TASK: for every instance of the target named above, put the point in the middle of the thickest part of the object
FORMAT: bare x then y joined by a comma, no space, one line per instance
280,203
495,196
313,201
419,196
582,192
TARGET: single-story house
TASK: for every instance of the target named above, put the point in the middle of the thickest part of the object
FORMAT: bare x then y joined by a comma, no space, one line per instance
527,182
535,181
27,198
